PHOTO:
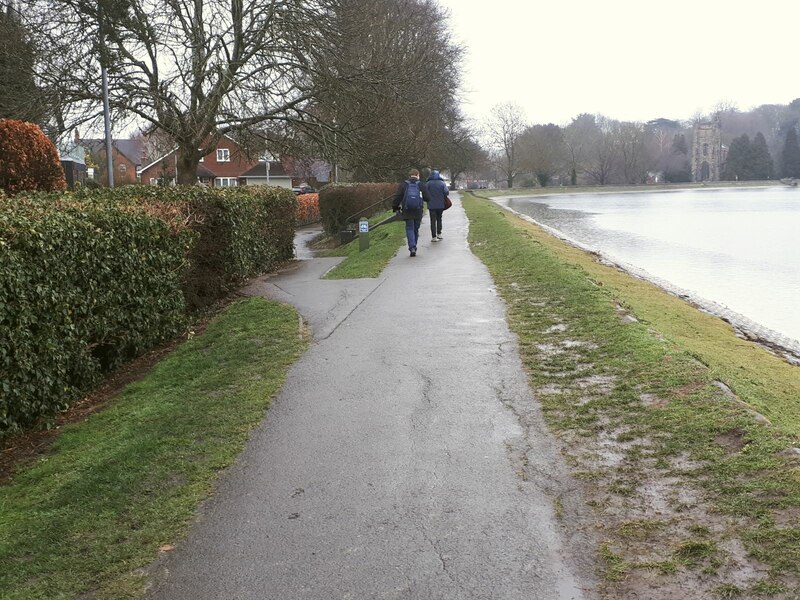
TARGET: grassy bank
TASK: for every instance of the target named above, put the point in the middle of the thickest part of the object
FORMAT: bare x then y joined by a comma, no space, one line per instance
692,494
125,483
383,245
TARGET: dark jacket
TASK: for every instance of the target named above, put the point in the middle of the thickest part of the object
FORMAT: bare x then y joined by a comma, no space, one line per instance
437,190
398,200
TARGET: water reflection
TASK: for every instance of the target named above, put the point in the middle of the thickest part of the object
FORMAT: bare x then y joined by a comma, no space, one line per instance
738,247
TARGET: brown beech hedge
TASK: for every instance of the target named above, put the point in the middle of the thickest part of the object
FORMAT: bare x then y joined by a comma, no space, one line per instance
28,159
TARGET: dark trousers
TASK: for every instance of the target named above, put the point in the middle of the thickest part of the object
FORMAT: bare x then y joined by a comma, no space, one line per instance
412,232
436,221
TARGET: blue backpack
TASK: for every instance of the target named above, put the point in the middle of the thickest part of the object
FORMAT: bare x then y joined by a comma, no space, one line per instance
412,200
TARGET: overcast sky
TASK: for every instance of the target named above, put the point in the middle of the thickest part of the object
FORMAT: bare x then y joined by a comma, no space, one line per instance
632,60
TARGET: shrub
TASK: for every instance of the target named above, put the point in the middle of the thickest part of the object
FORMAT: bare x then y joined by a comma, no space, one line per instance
28,159
307,209
82,289
91,279
342,201
242,232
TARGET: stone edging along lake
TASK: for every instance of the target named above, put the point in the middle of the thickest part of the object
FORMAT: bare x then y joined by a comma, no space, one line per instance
746,328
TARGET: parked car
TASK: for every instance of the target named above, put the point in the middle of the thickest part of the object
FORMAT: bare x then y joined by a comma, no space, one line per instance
303,189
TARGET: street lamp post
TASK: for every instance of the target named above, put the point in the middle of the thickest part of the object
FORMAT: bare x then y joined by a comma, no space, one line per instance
106,107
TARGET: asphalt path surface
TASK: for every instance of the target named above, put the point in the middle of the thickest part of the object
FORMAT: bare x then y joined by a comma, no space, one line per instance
405,456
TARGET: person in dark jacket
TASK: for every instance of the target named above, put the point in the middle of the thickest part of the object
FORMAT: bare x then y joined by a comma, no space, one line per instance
437,191
412,217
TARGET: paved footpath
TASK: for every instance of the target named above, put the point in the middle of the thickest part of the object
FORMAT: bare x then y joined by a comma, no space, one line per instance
404,458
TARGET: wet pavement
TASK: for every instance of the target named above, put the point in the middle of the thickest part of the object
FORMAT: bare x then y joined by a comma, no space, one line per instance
405,456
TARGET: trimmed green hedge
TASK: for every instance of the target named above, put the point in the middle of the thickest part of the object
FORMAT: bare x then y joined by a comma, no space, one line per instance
90,280
81,290
338,202
243,232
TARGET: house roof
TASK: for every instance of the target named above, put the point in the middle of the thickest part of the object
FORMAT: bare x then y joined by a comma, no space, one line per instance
133,150
202,171
158,160
205,172
260,170
75,153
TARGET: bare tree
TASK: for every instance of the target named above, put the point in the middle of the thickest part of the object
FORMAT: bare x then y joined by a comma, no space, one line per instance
542,151
400,110
194,70
578,136
603,151
504,127
634,158
461,156
281,71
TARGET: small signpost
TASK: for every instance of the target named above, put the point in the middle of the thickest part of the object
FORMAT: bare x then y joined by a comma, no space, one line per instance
363,234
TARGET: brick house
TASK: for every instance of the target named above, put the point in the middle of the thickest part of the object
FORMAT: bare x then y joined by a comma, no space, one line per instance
222,167
127,155
258,175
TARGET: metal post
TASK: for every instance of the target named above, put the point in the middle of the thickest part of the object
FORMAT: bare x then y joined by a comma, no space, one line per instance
106,106
363,234
107,118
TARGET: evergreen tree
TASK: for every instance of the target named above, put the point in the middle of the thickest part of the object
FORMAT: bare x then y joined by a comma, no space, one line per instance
737,167
19,96
679,145
790,158
760,164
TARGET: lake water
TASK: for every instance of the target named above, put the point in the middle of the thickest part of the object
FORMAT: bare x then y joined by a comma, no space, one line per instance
737,248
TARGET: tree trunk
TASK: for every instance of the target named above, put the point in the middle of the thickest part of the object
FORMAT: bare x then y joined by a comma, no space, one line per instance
510,181
187,167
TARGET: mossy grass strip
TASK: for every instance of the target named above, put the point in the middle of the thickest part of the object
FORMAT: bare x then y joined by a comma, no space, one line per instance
122,484
383,245
627,376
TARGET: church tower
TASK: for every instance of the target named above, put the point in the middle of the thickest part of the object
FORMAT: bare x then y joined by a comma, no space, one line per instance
707,151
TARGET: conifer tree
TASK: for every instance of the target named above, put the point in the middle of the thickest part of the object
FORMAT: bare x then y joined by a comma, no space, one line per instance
19,96
737,167
790,157
761,164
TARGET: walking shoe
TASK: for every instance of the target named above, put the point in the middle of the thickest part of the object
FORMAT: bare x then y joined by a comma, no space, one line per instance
439,238
414,251
433,239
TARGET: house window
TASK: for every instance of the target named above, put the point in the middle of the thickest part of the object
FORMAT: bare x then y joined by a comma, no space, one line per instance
705,149
226,181
202,158
223,155
153,181
123,168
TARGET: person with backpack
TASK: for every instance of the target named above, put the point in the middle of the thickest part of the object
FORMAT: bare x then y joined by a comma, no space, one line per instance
438,195
409,200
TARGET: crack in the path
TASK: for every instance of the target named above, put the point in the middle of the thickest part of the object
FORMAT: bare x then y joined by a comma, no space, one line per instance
347,316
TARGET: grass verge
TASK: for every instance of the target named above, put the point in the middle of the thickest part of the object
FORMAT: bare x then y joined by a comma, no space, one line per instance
690,493
383,245
114,489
